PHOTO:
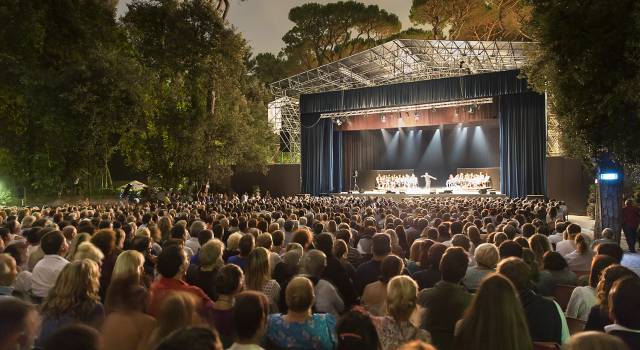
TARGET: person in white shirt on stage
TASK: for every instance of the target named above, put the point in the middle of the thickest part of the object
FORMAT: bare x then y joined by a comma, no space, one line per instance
427,181
47,269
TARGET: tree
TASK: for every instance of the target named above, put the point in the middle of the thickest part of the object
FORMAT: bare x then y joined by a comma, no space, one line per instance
587,61
325,33
473,19
68,88
210,114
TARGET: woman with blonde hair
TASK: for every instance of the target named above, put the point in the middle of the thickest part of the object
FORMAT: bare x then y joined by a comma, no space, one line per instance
592,340
130,262
402,301
74,298
73,245
88,250
258,276
580,259
494,320
539,244
165,223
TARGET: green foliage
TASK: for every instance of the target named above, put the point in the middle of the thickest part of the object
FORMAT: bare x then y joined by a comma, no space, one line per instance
473,19
588,62
169,89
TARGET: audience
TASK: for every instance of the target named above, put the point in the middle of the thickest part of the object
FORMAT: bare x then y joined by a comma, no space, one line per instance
165,287
624,309
594,341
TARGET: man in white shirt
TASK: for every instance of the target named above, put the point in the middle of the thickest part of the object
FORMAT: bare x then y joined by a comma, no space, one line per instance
568,245
557,237
46,271
194,231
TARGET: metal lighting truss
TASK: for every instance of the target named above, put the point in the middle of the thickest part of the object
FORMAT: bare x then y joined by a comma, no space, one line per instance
397,61
401,109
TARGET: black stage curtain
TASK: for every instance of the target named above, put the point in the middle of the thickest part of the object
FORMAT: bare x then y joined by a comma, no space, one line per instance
523,133
413,93
321,160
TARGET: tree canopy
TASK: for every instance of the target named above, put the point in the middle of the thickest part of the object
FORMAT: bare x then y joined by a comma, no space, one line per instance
588,61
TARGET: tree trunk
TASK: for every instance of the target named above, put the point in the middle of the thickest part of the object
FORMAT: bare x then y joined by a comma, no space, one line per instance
608,207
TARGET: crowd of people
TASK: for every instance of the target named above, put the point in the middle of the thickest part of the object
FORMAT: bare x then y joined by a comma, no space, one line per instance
469,180
312,273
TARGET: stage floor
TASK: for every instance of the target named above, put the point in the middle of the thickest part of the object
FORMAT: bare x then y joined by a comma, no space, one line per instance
421,192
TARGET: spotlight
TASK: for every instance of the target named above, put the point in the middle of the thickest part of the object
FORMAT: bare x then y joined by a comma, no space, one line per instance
383,119
434,109
400,116
471,109
339,122
456,113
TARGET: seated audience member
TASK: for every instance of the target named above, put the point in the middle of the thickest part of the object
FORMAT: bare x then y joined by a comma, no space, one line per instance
416,345
540,245
73,299
130,262
353,255
8,274
568,245
509,249
300,328
413,263
374,298
192,338
304,237
335,271
127,326
592,340
289,266
245,247
599,316
75,243
608,236
611,249
46,271
356,331
494,320
258,276
583,298
447,300
545,318
178,310
204,236
341,252
487,257
250,313
369,271
203,275
396,328
88,250
580,259
327,298
172,266
22,283
265,241
624,309
229,282
105,240
428,277
19,324
555,271
194,231
74,337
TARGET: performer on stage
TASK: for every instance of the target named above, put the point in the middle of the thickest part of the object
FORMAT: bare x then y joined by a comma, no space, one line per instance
427,181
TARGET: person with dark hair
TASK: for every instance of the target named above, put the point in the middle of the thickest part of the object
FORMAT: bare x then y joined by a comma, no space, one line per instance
74,337
624,308
246,245
335,272
430,275
300,328
568,245
192,338
172,266
545,318
44,275
19,324
494,320
510,248
611,249
369,271
374,297
356,331
105,240
447,300
229,282
250,319
555,271
599,316
127,326
583,298
353,255
630,222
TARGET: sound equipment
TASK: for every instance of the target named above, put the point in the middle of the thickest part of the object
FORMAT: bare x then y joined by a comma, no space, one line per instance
482,191
448,191
492,192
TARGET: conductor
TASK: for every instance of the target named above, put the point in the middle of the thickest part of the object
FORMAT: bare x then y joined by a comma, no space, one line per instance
427,180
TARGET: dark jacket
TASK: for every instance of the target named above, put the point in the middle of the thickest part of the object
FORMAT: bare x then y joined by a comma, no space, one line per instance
543,318
336,274
444,303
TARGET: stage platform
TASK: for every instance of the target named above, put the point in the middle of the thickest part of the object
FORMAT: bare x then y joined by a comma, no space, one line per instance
420,193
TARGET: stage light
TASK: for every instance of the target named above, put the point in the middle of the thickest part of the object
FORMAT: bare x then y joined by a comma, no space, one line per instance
383,119
399,116
434,109
339,122
456,113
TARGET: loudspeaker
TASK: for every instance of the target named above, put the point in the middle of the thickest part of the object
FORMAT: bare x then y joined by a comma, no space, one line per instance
448,191
482,191
492,192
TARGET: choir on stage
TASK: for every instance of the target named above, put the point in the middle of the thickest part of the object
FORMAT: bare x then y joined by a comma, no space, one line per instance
394,182
469,180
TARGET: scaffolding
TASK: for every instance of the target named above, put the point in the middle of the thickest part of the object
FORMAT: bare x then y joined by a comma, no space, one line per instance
397,61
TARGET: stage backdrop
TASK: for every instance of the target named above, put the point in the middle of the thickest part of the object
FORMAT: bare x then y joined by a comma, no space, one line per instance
521,121
438,151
